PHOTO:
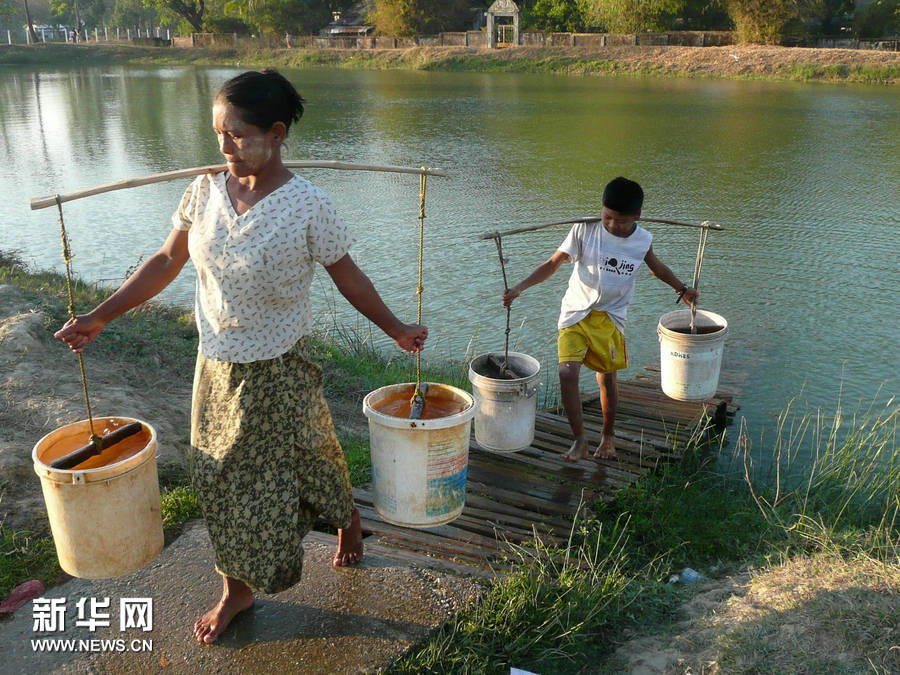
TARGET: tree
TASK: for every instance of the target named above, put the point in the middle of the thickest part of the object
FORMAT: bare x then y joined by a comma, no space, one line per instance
762,21
189,10
880,19
631,16
406,18
554,15
705,15
133,13
285,16
827,13
397,18
89,12
30,24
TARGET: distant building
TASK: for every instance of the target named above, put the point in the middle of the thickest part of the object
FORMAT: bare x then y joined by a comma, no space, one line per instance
351,22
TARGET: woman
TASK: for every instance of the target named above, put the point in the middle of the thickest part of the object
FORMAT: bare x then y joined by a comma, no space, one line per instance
264,456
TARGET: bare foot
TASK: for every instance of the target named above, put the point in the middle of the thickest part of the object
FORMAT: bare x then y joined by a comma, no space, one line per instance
606,449
236,597
579,450
350,543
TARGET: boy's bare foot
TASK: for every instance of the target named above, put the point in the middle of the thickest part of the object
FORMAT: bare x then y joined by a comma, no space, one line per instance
236,597
350,543
606,449
579,450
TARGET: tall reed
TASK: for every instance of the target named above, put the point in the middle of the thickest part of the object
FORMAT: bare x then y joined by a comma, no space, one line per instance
832,481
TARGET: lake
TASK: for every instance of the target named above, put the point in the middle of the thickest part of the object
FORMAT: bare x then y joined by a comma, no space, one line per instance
804,177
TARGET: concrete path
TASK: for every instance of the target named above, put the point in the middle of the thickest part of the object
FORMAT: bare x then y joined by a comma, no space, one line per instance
352,620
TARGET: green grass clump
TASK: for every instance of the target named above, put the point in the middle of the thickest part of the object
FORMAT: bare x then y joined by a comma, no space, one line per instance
691,515
179,504
832,483
363,366
830,490
25,555
150,336
552,613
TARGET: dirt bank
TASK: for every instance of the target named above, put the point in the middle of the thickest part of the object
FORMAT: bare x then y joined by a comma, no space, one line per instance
40,390
733,62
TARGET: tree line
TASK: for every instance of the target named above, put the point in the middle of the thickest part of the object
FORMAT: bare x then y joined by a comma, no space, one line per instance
756,21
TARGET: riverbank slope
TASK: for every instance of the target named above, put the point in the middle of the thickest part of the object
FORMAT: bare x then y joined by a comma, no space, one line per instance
733,62
798,581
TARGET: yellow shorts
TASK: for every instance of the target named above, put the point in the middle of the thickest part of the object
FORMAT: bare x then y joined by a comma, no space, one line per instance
594,341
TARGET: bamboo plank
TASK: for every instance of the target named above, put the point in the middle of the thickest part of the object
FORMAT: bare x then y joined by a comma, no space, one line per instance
503,520
425,557
538,492
528,501
628,455
497,507
463,543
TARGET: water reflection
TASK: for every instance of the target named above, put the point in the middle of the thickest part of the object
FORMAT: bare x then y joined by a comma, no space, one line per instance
804,177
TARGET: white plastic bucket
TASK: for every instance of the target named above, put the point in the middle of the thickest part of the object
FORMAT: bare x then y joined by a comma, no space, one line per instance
106,521
419,466
505,409
690,363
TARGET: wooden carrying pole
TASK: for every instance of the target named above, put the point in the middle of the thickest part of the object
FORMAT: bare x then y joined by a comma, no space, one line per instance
706,225
44,202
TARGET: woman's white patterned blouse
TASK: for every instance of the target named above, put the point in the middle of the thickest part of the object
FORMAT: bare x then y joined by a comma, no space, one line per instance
254,270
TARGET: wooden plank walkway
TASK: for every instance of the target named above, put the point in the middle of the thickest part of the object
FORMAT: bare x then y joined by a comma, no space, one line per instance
515,497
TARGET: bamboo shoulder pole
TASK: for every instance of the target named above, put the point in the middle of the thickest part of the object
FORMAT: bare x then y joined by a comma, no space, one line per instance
593,219
44,202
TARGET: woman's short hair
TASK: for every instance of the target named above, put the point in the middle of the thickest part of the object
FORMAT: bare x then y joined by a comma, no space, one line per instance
263,98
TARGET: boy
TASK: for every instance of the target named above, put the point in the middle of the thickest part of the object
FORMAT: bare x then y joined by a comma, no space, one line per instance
606,256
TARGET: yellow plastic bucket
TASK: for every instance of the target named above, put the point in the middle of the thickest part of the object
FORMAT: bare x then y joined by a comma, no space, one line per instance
105,518
419,465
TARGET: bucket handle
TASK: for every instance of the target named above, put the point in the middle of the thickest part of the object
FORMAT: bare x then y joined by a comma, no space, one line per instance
78,477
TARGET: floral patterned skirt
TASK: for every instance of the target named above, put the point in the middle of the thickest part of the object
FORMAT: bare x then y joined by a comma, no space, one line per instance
265,462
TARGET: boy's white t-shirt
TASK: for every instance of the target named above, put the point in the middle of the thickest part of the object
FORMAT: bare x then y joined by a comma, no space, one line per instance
605,271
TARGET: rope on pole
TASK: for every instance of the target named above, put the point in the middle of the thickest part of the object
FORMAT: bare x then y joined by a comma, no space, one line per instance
417,402
67,258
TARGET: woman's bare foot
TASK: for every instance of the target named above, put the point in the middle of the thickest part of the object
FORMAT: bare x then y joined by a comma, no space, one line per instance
350,543
579,450
606,449
236,597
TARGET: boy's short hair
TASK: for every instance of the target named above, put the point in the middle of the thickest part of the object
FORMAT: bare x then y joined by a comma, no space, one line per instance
623,195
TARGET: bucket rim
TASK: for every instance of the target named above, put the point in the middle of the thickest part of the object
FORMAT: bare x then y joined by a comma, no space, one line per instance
115,470
515,383
453,420
717,319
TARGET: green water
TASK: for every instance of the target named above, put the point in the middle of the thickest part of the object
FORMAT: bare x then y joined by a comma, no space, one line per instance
804,177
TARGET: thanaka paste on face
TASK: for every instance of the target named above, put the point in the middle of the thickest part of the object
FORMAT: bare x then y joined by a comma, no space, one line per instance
253,147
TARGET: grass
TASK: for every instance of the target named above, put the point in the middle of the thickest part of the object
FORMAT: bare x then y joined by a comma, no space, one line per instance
551,612
24,556
150,337
828,498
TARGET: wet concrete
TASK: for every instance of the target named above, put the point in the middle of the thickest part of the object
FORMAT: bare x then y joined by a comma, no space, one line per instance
350,620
